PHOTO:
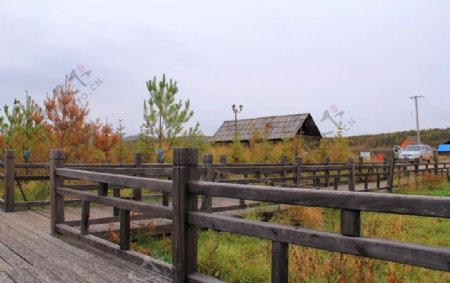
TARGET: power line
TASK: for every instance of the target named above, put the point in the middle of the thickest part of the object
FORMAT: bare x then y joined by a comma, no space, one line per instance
430,110
436,109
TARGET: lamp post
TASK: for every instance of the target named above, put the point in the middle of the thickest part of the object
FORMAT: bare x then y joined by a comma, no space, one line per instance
236,110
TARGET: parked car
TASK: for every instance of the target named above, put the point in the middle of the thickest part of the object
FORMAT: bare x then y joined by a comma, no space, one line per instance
411,152
397,150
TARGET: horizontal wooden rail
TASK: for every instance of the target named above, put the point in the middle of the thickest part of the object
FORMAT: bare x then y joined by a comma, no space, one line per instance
129,181
157,211
387,203
32,178
42,203
436,258
132,256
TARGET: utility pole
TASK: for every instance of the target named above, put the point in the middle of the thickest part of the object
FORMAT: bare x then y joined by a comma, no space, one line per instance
417,116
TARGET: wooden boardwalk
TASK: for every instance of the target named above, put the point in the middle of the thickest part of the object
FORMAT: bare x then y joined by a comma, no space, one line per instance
28,253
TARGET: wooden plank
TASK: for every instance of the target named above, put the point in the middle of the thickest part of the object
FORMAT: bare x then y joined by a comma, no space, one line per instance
380,202
4,277
147,208
429,257
37,225
47,266
21,270
129,181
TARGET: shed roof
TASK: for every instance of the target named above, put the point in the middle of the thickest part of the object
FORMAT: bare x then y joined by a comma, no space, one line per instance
276,127
444,148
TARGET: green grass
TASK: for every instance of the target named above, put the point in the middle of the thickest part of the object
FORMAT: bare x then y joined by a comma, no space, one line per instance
235,258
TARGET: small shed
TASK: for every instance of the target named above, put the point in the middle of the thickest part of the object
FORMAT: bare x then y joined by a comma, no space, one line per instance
411,140
277,128
444,147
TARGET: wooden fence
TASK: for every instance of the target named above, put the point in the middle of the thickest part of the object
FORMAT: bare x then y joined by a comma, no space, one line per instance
373,176
187,219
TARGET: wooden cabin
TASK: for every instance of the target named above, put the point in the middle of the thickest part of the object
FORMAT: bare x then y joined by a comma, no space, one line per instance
274,128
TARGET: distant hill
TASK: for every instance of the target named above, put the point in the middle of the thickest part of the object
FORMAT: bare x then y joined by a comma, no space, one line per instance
385,141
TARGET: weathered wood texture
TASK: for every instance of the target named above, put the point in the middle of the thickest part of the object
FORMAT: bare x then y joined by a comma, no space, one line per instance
184,237
30,254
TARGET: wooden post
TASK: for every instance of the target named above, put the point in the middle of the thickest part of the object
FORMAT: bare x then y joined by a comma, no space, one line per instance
116,194
436,163
378,179
223,163
351,223
9,180
125,224
298,173
416,166
351,175
327,171
360,170
366,182
280,262
137,192
85,214
103,189
390,175
208,176
56,200
336,183
184,236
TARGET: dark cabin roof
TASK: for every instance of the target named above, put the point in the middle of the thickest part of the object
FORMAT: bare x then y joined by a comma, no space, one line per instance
277,128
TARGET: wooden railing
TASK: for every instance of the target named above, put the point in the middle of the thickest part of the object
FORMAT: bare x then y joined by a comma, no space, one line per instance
375,176
187,219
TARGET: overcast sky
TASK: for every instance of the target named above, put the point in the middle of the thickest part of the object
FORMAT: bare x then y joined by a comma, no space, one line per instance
273,57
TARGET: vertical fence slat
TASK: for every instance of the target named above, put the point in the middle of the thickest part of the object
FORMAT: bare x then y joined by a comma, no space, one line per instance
327,171
103,189
391,172
208,176
137,192
280,262
9,180
351,175
125,224
116,194
351,223
298,173
85,214
184,237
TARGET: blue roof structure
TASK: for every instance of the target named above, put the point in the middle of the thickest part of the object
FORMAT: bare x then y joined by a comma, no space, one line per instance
445,147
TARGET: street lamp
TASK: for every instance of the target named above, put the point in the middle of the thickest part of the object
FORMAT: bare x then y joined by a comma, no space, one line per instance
236,111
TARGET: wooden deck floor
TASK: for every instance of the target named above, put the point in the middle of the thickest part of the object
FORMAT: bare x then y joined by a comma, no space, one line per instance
28,253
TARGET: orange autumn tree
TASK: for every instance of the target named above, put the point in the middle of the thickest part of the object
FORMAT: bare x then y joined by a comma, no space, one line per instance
68,120
105,140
